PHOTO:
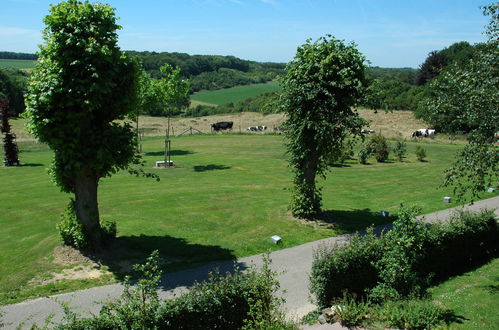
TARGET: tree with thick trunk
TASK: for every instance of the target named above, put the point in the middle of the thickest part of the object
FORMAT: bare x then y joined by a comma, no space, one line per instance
322,84
81,86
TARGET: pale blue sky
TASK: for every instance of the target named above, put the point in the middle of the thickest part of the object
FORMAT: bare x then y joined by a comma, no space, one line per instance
389,33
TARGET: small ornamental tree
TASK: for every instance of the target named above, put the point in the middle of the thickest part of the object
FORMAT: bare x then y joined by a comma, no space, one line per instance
11,153
81,86
322,84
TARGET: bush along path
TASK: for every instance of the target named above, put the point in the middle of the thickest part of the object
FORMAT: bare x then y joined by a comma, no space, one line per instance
293,266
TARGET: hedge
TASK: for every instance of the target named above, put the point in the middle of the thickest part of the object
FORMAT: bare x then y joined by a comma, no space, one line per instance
405,260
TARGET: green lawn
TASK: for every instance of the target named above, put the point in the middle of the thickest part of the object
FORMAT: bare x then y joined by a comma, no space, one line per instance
224,199
234,94
17,64
472,296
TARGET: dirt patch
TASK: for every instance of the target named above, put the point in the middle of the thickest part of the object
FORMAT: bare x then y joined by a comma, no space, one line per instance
67,255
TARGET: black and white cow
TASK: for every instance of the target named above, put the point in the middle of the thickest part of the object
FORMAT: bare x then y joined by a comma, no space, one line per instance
256,128
423,132
222,125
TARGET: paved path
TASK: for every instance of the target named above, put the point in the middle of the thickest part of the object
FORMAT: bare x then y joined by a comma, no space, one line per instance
293,264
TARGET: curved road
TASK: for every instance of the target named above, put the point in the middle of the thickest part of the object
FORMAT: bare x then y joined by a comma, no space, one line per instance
292,264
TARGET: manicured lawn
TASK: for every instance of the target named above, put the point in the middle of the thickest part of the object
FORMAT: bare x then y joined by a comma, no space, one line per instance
472,296
17,64
234,94
225,197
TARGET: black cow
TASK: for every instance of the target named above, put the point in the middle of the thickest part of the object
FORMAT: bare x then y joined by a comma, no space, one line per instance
222,125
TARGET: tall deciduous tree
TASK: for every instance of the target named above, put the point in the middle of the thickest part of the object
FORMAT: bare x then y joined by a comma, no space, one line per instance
322,84
81,85
468,96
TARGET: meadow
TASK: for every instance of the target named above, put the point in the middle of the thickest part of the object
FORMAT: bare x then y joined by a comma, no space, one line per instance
226,195
234,94
17,64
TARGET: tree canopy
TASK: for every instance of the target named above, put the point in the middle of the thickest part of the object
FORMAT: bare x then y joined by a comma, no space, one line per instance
466,98
81,86
322,84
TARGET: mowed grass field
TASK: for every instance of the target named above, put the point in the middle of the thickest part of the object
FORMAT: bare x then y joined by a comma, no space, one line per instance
234,94
225,197
17,64
472,296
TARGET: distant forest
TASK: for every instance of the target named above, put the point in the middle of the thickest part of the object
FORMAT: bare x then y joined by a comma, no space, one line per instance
388,88
211,72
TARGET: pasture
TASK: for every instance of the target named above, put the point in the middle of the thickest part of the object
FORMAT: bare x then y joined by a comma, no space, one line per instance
17,64
234,94
227,194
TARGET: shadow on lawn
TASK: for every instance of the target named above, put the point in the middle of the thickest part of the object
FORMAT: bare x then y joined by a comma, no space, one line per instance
176,253
210,167
174,152
31,165
356,220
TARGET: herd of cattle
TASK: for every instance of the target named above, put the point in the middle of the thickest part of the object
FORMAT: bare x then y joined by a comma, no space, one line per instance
227,125
224,125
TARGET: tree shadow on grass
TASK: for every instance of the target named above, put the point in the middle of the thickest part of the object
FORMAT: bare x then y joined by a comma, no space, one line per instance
210,167
172,153
31,165
175,253
348,221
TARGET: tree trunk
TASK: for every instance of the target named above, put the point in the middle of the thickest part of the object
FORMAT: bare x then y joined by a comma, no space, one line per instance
87,208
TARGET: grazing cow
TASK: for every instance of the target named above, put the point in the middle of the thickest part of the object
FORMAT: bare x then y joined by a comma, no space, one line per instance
222,125
256,128
423,132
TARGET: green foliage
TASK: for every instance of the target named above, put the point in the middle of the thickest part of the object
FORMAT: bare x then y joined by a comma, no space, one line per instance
166,96
322,84
207,72
343,269
11,152
400,149
404,261
380,147
71,231
420,153
12,87
411,314
234,301
82,85
351,312
364,153
398,266
17,56
109,229
467,97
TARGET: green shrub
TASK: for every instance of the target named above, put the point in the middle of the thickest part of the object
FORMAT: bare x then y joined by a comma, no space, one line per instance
351,312
234,301
363,155
70,230
400,150
404,261
420,153
398,265
109,229
348,268
380,147
411,314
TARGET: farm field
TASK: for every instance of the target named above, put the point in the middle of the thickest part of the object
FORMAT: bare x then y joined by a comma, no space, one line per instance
227,194
17,64
234,94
